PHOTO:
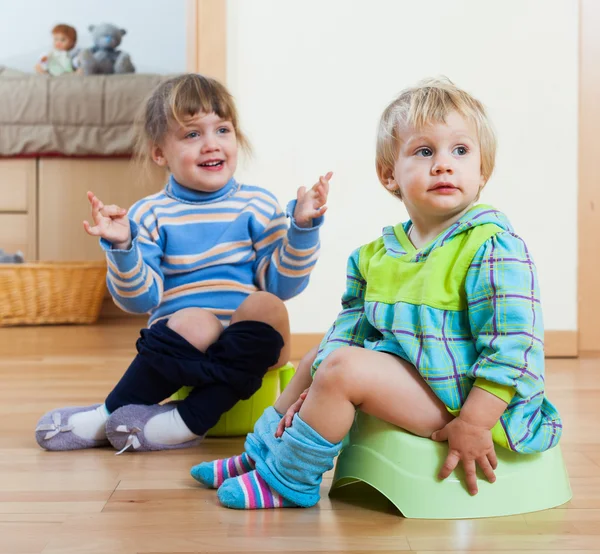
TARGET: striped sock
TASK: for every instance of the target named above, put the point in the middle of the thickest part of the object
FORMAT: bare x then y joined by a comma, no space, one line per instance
251,492
213,474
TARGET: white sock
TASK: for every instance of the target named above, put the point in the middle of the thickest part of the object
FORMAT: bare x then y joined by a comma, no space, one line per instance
90,425
168,428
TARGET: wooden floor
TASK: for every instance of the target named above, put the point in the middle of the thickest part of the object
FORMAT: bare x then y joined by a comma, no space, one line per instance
94,502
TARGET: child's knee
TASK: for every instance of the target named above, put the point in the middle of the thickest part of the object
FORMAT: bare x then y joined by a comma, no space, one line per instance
199,327
334,370
265,307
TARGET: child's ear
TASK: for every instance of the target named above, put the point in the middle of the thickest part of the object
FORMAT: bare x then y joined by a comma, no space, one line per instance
386,176
158,156
482,182
391,185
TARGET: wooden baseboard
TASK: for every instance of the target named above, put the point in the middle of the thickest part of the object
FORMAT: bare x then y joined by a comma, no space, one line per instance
558,344
561,344
303,342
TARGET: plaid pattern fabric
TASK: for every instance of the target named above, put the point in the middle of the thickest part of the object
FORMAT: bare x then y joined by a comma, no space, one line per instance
505,316
351,327
499,337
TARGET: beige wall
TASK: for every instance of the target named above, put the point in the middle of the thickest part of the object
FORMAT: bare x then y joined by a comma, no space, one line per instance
311,79
589,192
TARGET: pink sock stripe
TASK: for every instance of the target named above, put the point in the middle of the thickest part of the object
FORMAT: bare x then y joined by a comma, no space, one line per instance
245,483
219,473
231,467
265,490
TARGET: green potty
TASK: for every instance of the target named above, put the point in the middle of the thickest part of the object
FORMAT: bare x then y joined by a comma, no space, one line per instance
403,467
240,420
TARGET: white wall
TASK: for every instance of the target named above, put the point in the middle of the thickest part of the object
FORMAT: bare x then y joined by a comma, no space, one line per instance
155,36
312,77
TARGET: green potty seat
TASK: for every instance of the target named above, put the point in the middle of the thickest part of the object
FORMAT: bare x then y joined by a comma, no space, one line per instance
240,420
404,467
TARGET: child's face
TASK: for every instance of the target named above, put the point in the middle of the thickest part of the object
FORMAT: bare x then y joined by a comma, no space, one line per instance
202,155
438,169
61,42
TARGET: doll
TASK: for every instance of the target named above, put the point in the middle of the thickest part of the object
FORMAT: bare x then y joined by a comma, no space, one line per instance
61,59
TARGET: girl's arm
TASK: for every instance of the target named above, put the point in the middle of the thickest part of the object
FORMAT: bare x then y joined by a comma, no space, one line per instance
285,257
135,279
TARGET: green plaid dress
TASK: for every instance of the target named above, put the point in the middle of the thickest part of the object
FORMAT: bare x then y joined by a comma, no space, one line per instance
465,311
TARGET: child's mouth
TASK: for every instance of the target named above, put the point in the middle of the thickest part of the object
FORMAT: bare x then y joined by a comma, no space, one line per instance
214,165
444,188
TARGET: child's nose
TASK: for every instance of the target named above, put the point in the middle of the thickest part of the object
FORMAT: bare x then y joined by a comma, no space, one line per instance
442,165
210,144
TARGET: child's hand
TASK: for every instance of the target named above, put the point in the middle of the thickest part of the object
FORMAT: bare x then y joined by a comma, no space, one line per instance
470,444
111,223
311,203
286,420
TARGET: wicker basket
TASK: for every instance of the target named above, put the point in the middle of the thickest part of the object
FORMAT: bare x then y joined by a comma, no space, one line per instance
53,292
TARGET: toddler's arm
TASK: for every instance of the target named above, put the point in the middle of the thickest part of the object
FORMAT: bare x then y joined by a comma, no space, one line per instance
506,319
470,439
351,327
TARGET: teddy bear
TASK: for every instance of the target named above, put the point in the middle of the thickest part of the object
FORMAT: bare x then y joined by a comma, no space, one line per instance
103,57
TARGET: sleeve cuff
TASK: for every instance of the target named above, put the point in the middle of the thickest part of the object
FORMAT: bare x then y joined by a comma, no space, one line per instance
289,212
302,237
503,392
125,260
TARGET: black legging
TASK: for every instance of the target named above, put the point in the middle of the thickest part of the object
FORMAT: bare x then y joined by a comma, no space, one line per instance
231,370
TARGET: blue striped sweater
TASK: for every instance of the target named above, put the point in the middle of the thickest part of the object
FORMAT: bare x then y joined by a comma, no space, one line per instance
209,250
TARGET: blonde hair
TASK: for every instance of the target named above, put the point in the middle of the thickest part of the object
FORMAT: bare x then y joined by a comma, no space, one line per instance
430,101
176,100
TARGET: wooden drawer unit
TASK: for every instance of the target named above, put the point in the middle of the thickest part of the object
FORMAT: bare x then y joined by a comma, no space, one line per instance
43,203
18,201
17,185
15,234
63,204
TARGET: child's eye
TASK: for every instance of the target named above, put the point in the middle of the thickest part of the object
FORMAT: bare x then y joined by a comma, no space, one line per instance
223,130
193,134
460,150
424,152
